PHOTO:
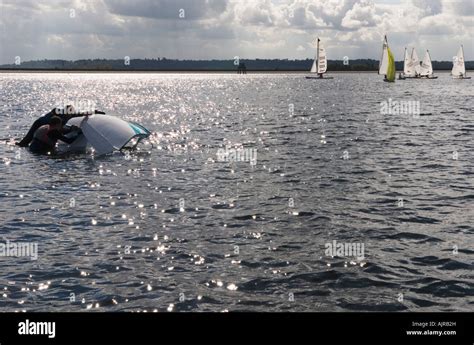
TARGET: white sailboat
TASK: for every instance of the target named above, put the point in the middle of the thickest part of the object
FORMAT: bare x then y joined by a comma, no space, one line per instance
408,66
459,68
426,68
320,63
415,63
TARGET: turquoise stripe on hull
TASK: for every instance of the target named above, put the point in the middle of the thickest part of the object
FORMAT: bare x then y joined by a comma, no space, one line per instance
137,129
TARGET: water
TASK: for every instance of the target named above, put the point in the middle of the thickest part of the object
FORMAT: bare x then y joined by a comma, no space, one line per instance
172,228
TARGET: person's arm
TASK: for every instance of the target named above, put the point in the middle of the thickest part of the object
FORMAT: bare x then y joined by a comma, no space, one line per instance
70,116
57,135
69,129
68,140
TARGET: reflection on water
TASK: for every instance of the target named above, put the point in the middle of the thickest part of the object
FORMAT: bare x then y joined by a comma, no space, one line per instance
174,228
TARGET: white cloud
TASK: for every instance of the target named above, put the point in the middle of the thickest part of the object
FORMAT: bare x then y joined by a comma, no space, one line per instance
362,14
222,28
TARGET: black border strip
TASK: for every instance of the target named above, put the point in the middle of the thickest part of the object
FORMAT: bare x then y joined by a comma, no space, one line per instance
238,328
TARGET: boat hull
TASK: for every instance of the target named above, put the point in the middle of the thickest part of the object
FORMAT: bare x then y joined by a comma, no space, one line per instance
104,133
308,77
423,77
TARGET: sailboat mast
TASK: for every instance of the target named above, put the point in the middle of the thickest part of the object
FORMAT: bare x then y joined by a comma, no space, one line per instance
462,54
405,57
383,48
317,55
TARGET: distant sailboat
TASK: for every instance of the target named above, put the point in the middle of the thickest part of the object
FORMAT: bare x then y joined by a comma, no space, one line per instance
426,68
320,63
415,63
459,69
409,70
387,63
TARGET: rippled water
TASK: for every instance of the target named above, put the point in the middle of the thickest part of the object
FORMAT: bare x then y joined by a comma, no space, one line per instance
172,228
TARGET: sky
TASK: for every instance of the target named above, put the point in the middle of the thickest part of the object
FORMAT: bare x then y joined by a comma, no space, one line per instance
224,29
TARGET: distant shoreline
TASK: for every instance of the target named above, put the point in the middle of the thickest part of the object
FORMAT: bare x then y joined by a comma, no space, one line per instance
41,70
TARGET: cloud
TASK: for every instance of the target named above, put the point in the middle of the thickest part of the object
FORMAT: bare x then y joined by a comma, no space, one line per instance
429,7
167,9
362,14
459,7
224,28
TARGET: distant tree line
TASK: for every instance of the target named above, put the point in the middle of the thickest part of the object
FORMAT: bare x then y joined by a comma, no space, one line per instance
163,64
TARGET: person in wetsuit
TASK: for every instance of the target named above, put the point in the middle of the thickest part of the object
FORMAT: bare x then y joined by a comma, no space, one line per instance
46,136
64,114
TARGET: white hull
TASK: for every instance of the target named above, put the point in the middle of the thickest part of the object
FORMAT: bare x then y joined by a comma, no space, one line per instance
104,133
317,77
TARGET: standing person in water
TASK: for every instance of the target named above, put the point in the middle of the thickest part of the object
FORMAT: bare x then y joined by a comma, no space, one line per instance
64,115
46,136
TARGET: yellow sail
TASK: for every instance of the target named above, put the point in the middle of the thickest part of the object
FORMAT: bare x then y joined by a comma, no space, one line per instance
391,66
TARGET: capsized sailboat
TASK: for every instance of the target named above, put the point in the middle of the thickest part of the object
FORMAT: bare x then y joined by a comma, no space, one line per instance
426,68
320,63
459,68
387,63
105,134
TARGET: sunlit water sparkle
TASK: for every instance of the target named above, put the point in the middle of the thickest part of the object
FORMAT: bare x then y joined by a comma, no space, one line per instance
170,228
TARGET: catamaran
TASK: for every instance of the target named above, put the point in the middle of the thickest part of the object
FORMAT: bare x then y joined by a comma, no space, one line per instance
320,63
387,63
426,69
459,69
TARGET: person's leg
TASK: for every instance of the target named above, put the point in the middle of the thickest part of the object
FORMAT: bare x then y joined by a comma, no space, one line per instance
29,136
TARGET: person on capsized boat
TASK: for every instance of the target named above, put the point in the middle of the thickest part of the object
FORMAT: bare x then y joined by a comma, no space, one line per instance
46,136
64,114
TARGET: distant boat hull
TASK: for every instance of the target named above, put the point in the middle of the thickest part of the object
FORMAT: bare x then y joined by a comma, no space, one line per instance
424,77
310,77
428,77
461,77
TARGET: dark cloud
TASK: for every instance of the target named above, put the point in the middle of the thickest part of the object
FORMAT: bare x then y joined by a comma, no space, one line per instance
167,9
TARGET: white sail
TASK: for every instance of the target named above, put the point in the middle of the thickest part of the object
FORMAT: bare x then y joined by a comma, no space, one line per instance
408,68
314,68
426,69
322,60
459,69
415,61
383,64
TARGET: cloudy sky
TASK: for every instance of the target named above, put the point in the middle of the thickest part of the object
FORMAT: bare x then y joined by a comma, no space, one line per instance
222,29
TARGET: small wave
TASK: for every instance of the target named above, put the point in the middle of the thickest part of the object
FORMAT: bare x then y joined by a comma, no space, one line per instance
418,219
412,236
447,288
